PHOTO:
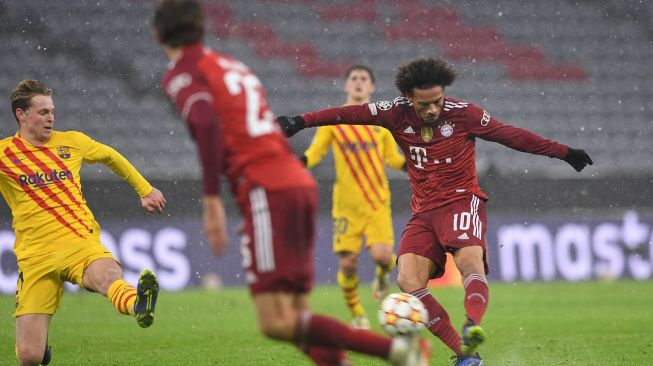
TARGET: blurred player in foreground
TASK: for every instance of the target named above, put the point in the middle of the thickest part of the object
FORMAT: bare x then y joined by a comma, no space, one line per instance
361,194
436,134
226,110
57,237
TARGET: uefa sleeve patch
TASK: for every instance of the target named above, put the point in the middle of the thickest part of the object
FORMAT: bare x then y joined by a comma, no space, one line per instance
384,105
486,118
372,108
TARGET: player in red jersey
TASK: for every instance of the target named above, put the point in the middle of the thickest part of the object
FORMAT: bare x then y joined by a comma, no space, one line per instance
225,107
436,134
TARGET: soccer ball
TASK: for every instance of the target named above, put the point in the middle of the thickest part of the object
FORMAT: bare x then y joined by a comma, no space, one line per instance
402,314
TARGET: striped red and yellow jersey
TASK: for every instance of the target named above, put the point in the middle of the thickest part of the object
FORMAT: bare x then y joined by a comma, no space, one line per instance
360,155
42,188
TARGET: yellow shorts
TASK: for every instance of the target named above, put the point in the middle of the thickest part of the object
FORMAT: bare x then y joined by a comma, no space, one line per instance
40,279
350,228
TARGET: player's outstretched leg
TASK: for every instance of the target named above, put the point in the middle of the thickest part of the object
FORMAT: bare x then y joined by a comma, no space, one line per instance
147,292
439,323
324,331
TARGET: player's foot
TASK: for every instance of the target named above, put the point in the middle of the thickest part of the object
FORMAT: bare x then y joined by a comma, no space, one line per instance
473,336
409,351
360,322
473,360
380,286
47,355
147,291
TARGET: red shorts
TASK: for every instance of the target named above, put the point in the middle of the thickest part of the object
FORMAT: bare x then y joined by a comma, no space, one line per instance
433,233
277,243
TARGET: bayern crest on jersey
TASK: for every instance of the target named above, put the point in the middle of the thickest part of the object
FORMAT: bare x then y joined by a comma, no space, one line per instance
446,129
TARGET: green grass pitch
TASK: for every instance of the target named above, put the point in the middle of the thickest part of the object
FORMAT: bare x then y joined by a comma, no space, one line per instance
528,324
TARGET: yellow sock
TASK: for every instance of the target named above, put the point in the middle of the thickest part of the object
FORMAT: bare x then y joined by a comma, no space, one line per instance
382,270
349,287
122,295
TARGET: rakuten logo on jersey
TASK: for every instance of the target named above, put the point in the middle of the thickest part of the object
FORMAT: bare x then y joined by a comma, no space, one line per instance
42,179
359,146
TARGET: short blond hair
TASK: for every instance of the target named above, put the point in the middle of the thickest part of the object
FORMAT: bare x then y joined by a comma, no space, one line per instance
23,93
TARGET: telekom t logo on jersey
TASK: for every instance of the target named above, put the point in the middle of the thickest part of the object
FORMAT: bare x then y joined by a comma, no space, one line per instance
418,154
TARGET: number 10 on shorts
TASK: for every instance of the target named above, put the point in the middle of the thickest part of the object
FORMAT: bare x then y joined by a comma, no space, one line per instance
470,220
462,221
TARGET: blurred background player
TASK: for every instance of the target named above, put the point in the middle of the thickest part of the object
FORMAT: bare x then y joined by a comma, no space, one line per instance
225,107
436,133
361,194
57,237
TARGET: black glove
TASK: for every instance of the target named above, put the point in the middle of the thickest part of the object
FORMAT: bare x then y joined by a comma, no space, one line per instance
578,159
291,125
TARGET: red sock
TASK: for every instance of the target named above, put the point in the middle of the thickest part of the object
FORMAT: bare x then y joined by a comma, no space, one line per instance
324,331
439,323
326,356
477,295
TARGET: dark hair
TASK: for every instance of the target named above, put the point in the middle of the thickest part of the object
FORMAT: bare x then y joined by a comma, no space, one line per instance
21,96
360,67
179,22
424,73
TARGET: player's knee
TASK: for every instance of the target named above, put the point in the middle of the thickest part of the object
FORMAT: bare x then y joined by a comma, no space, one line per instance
470,265
279,329
107,279
29,355
349,264
408,282
382,257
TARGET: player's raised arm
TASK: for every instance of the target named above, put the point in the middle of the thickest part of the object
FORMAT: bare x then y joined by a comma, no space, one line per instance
483,125
364,114
151,198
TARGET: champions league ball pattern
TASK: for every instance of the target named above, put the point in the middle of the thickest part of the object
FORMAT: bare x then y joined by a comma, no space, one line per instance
402,314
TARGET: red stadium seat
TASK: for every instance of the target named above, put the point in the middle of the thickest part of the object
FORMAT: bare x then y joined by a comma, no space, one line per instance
439,24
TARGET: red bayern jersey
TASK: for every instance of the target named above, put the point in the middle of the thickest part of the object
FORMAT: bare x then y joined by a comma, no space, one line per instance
226,109
440,157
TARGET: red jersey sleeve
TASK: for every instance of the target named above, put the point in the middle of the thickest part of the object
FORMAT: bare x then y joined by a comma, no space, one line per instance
380,113
481,124
195,103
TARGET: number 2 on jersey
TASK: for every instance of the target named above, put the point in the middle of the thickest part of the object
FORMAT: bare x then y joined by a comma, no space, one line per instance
237,82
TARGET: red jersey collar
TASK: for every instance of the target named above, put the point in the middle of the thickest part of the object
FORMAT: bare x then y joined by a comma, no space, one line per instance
187,51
